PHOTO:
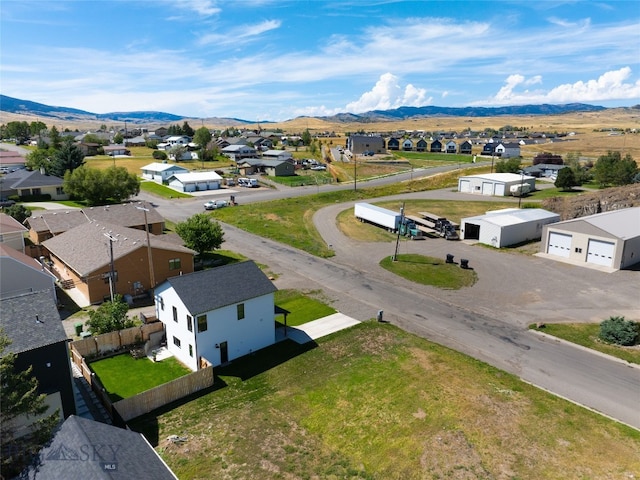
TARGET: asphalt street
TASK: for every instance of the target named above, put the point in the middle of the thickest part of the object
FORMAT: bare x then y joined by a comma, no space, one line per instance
487,321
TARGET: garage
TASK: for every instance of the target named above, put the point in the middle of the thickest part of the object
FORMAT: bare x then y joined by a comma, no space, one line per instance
465,186
487,188
600,253
499,189
559,244
493,183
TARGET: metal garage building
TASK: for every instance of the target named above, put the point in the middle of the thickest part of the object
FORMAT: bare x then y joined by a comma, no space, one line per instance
610,239
493,183
502,228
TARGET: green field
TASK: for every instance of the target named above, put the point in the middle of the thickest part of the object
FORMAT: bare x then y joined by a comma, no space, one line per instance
375,402
302,307
430,271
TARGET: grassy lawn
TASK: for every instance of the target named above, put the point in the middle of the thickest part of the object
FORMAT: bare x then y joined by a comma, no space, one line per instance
123,376
162,191
586,334
290,221
430,271
375,402
303,308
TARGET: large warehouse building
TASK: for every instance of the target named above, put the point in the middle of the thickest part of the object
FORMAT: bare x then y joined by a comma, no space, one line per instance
493,183
610,239
502,228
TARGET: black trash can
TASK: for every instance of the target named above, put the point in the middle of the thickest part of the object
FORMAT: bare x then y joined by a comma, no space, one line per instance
464,263
449,258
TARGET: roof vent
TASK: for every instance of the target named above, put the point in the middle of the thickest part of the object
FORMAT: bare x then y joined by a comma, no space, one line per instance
38,319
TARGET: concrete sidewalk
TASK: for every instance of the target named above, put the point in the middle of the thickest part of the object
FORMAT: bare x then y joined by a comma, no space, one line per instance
317,328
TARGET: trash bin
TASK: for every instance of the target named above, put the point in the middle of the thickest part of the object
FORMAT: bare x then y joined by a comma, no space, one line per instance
78,327
449,258
380,313
464,263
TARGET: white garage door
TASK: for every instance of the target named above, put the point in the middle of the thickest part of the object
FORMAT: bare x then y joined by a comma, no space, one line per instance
500,189
487,188
600,253
559,244
465,186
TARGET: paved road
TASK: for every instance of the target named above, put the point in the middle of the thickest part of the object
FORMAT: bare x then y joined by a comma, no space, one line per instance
487,321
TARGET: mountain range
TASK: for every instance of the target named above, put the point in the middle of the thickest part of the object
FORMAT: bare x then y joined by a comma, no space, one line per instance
26,107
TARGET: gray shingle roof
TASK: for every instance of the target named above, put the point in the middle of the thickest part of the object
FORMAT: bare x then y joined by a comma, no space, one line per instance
89,450
31,321
217,287
30,179
85,248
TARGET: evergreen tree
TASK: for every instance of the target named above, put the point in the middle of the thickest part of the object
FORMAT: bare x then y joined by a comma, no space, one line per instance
68,158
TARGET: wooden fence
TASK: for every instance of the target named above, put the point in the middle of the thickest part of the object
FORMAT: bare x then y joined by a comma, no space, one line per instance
114,341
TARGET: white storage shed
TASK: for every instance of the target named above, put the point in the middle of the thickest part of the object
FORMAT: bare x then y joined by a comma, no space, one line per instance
195,181
498,184
610,240
510,226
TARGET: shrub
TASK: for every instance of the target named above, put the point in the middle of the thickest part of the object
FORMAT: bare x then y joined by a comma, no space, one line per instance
159,155
619,331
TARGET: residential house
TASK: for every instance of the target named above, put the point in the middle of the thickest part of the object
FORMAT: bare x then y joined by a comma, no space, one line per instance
139,215
407,145
161,172
465,148
161,132
21,274
489,149
273,168
12,232
89,149
195,181
421,145
451,147
393,143
115,150
138,141
32,323
84,257
83,448
282,155
436,146
508,150
239,151
218,314
543,170
26,183
359,144
12,160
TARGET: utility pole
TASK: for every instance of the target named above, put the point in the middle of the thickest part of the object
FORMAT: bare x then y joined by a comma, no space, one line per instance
355,173
152,279
111,272
395,255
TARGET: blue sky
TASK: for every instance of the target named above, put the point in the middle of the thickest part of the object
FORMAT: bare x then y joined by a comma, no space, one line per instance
276,60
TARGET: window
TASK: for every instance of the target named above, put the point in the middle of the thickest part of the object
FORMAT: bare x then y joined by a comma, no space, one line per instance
240,308
202,323
175,314
174,264
189,323
59,191
191,350
176,342
161,303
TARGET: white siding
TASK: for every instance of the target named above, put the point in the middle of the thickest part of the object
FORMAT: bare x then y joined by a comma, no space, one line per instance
179,330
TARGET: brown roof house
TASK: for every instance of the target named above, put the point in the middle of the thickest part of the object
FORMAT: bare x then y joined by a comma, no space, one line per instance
134,215
84,257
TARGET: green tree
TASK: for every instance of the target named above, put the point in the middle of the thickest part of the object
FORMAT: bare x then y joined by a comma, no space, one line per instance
187,130
38,159
178,152
202,138
99,187
306,138
18,130
619,331
511,165
54,138
109,317
566,180
36,128
19,397
201,233
159,155
118,138
69,157
612,169
18,211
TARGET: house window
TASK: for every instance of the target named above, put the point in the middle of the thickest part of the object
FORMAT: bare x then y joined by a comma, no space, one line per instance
176,342
161,303
202,323
59,191
191,350
174,264
189,323
240,308
175,314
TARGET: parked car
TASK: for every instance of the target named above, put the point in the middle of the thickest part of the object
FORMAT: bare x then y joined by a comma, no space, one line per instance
210,205
319,167
231,182
369,153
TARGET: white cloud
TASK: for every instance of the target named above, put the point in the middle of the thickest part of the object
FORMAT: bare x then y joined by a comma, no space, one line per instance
205,8
388,93
609,86
240,34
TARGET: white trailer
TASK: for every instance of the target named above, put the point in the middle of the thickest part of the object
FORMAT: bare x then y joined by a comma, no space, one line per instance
365,212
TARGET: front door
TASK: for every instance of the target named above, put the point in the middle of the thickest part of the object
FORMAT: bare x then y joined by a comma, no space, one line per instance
224,353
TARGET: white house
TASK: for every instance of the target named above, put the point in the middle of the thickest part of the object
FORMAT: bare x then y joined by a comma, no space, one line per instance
218,314
195,181
508,150
176,140
238,151
509,226
12,232
608,241
498,184
161,172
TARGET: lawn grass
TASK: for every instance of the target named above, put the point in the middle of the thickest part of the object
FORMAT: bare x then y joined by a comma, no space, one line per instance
430,271
375,402
123,376
586,334
162,191
303,308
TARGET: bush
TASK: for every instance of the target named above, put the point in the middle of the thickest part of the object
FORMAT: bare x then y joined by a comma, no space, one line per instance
159,155
619,331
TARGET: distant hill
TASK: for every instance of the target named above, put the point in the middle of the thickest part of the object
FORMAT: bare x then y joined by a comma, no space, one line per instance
26,107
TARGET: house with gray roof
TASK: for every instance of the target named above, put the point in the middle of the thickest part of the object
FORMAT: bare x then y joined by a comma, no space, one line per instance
272,167
161,172
83,257
12,232
25,183
217,315
91,450
20,273
32,323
